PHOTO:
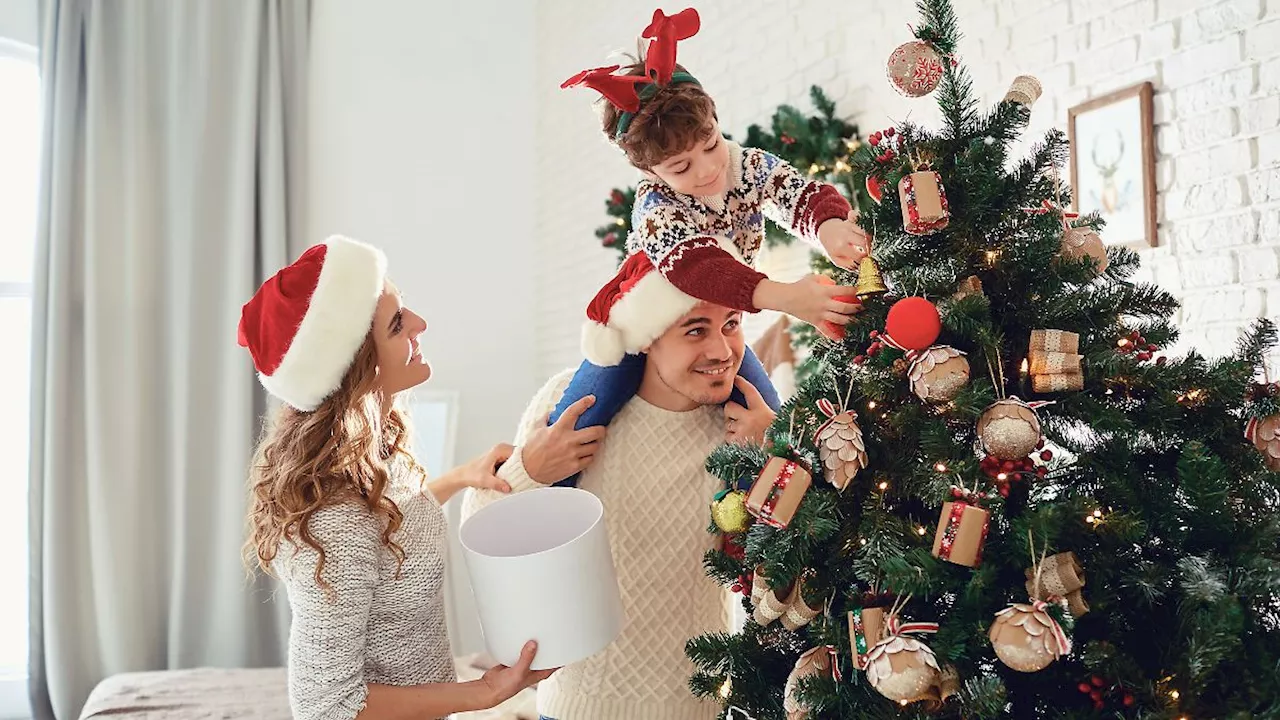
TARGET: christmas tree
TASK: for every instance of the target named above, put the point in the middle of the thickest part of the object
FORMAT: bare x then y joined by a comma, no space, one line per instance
996,498
820,144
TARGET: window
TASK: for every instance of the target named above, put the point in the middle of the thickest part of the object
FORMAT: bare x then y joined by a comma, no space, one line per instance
20,150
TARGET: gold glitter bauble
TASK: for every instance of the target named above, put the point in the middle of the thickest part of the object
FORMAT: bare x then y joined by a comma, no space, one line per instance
1023,639
729,511
1009,429
902,669
939,374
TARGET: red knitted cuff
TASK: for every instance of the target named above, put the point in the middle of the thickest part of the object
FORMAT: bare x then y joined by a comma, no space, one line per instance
819,203
703,269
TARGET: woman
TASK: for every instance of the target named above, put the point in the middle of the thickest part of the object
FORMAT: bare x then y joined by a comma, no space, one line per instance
341,510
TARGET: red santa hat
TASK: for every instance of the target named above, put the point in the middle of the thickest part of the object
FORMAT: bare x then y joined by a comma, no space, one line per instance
631,311
306,323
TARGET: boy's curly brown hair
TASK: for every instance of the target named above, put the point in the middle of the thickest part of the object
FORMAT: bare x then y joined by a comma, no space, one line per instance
669,123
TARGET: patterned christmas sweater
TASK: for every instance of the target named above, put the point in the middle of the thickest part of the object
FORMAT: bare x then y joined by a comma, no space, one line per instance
689,238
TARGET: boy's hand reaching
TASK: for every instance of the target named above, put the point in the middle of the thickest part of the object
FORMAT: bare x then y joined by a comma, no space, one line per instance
845,242
813,299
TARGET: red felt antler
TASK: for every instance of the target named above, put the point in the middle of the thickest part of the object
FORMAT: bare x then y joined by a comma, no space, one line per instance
620,90
660,60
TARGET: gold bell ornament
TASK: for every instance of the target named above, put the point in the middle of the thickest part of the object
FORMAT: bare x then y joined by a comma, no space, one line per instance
870,281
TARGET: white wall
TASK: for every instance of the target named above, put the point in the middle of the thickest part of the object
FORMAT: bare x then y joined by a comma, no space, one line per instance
18,21
421,141
1215,65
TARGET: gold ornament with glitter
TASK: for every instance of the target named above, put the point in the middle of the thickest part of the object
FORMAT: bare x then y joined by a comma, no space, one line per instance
729,511
1027,638
1010,429
903,668
938,374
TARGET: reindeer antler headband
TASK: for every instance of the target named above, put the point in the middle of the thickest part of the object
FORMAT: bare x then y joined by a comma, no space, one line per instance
628,93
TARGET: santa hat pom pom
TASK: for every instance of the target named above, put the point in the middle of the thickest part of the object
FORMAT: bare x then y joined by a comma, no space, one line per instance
602,345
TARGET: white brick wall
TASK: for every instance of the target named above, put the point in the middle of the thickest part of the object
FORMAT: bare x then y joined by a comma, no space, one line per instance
1215,65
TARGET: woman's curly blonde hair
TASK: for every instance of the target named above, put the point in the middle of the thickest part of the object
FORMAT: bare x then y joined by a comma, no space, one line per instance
340,452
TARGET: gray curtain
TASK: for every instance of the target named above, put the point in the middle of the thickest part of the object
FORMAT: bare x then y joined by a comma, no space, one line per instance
171,184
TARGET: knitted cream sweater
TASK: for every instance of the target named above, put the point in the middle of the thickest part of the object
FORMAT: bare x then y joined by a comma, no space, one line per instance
376,627
650,477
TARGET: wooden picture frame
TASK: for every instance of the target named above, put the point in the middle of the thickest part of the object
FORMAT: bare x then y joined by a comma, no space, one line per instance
1115,135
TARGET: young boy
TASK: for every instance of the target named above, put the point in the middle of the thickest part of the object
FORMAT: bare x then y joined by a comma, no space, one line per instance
699,221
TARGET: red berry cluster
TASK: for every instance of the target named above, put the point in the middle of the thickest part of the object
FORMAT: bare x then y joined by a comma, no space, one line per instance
616,197
1136,345
787,140
743,584
1098,689
609,239
872,350
890,142
1007,472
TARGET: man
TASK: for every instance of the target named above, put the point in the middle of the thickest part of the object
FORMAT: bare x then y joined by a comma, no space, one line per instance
651,479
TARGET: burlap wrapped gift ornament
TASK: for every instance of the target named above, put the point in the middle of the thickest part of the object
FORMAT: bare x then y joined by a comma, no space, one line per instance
1060,576
962,531
938,374
866,627
1024,90
924,202
1051,341
1009,429
1027,638
1055,370
777,492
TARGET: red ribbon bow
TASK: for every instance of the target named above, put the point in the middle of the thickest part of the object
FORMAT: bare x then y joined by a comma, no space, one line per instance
896,627
665,32
1047,207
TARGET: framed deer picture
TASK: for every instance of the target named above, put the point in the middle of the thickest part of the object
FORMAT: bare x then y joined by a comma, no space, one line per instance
1113,168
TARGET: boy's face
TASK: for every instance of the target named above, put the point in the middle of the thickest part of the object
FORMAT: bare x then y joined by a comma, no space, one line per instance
700,171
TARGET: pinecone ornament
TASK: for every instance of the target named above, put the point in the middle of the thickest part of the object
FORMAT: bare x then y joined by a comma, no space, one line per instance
902,668
840,446
1264,433
1009,429
938,374
1028,639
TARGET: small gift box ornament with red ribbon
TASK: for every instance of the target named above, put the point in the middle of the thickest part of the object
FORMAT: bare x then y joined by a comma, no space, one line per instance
924,202
900,667
962,528
777,492
866,627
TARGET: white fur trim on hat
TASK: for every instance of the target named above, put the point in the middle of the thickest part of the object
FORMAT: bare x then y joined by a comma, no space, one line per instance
602,345
336,323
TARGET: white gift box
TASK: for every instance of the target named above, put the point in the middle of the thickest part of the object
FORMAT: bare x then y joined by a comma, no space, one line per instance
541,570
